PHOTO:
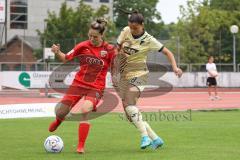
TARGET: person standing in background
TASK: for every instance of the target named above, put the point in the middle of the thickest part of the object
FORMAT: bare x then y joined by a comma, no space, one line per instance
211,78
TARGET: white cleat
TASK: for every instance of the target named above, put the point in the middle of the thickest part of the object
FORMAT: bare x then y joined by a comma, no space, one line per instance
211,98
217,98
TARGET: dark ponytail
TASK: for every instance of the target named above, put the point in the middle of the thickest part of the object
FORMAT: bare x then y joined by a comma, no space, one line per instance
136,17
99,24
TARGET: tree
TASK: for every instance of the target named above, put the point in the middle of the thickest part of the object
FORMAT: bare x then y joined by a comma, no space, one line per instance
233,8
71,25
205,31
227,5
153,22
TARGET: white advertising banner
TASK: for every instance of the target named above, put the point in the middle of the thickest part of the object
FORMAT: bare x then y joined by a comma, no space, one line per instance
2,11
27,110
28,80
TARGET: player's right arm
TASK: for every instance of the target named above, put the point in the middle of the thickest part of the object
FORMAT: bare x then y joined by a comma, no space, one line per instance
75,52
121,38
56,50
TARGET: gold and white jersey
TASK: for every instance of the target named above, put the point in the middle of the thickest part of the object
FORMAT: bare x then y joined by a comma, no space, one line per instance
134,53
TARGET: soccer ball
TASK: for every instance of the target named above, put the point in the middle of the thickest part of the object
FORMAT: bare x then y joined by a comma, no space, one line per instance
53,144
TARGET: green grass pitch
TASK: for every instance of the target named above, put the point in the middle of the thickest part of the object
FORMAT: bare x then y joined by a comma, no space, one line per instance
206,136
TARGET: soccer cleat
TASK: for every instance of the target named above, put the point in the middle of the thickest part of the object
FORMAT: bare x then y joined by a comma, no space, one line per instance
211,98
53,126
158,142
217,98
80,150
145,142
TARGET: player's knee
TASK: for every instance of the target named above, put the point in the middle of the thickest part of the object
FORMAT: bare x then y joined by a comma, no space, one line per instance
61,110
124,103
129,102
87,107
133,113
85,110
131,98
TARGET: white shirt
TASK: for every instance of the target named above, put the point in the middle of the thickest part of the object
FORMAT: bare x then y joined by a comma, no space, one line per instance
210,67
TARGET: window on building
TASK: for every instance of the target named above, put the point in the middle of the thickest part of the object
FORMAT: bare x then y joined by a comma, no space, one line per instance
5,67
18,14
104,1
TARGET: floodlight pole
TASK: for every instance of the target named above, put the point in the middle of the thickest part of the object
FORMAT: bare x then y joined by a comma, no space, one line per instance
234,31
234,52
6,29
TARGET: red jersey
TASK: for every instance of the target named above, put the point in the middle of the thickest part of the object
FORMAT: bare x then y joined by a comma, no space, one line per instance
94,63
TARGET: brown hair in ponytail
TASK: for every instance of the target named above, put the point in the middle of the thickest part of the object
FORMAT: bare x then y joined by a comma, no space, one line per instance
134,16
99,24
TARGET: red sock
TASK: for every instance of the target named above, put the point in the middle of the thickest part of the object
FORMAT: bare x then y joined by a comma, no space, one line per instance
54,125
82,135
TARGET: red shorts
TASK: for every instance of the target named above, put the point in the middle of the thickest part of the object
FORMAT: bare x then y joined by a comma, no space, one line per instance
75,93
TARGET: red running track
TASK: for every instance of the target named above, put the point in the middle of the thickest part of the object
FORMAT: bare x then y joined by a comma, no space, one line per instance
180,99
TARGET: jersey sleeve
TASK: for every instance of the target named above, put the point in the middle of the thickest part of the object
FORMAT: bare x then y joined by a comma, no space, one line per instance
122,36
74,52
113,52
155,45
207,67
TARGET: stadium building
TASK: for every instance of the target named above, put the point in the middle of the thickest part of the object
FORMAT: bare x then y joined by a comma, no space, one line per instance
24,17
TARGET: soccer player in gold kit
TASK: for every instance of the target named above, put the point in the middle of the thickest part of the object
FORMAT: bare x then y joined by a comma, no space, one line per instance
134,44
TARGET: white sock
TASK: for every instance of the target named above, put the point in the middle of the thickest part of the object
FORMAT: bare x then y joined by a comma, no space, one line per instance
150,132
136,118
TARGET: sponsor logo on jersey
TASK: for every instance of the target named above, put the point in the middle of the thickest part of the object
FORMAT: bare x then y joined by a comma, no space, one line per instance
92,60
129,50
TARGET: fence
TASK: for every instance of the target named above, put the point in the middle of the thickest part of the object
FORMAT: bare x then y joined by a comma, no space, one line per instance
222,52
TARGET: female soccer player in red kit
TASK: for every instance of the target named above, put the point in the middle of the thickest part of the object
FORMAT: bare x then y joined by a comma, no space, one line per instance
95,56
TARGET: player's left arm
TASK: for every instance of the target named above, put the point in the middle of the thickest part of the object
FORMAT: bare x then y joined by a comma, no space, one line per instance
172,60
156,45
114,68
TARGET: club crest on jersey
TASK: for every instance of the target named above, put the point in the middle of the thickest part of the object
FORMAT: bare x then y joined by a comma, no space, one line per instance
103,53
